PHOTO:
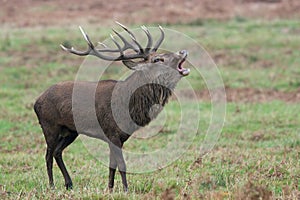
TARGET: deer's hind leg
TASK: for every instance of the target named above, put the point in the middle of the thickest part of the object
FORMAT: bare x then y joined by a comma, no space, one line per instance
51,134
64,141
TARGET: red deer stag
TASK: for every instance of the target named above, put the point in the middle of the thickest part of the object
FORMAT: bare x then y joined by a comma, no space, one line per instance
158,72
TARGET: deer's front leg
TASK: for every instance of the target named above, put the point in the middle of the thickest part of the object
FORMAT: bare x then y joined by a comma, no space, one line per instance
116,158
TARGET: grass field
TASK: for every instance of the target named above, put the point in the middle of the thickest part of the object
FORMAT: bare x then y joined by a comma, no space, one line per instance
257,154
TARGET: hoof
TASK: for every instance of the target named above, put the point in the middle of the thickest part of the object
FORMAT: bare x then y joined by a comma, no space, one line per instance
69,186
52,187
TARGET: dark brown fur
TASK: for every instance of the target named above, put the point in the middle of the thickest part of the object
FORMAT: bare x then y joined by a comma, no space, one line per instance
150,85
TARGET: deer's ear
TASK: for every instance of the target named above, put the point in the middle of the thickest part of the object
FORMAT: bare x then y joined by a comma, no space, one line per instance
130,64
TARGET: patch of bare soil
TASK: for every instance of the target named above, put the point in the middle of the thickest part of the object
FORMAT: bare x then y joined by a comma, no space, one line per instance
247,58
261,95
168,194
58,12
251,191
249,95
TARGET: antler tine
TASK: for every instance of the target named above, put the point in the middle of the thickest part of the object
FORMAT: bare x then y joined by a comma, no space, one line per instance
74,51
65,48
132,36
118,46
127,45
125,28
150,41
90,51
102,44
158,43
86,37
80,53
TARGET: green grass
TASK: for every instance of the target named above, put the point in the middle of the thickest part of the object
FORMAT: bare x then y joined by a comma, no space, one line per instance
258,149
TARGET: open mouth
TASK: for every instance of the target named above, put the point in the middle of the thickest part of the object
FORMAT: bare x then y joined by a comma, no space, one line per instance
183,71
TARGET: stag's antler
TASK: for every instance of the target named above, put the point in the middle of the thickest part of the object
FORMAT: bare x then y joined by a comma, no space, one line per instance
139,51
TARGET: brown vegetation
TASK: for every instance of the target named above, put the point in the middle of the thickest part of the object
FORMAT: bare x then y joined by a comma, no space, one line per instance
44,13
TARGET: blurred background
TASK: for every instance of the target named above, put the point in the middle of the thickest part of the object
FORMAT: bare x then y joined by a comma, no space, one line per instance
256,46
30,13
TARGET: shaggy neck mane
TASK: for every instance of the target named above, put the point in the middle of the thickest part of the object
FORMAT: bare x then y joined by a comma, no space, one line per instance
147,101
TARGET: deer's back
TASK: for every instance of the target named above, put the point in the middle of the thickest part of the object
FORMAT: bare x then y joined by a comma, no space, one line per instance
54,106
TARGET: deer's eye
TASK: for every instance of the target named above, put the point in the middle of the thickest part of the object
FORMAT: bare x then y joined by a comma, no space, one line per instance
158,60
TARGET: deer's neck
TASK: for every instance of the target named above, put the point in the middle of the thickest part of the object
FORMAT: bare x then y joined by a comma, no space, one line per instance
147,102
148,96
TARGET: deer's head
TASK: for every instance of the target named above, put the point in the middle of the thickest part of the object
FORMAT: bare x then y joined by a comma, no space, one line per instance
149,62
